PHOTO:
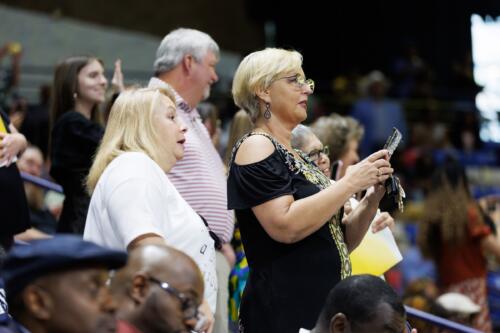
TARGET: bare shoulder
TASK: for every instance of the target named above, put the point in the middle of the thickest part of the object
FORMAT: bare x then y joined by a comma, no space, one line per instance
254,149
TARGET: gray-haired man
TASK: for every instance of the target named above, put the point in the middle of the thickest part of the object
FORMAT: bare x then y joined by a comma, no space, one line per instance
185,63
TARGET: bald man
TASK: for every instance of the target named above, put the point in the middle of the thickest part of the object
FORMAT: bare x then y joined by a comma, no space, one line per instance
159,290
362,304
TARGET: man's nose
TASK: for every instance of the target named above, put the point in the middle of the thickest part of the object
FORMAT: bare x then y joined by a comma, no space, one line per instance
108,304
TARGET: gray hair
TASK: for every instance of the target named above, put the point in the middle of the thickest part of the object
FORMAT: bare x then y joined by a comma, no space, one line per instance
180,42
300,136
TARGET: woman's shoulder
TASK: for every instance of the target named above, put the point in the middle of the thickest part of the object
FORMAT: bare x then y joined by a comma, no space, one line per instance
253,149
135,161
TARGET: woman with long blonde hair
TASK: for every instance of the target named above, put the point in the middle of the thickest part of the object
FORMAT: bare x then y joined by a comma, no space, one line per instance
133,202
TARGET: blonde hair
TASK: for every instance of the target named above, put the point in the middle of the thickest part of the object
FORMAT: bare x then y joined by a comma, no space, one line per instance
130,128
241,125
257,71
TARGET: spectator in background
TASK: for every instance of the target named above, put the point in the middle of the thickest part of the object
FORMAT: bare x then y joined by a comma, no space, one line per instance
14,210
377,113
304,139
185,62
9,77
410,72
35,125
31,162
454,234
159,290
58,285
342,135
210,118
362,303
241,124
460,308
133,201
79,87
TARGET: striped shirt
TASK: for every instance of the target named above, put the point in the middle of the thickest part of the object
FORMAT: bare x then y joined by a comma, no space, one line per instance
199,176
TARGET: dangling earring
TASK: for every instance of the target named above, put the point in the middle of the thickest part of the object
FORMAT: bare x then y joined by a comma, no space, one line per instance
267,112
75,95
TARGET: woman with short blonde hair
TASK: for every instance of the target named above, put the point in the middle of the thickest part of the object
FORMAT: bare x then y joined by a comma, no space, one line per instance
289,212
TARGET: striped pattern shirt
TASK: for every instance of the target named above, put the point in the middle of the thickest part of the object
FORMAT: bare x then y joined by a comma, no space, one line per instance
199,176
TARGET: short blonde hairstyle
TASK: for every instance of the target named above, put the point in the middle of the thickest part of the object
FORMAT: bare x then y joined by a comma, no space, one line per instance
130,128
257,71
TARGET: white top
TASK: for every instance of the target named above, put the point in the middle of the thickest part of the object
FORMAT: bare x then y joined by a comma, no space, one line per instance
134,197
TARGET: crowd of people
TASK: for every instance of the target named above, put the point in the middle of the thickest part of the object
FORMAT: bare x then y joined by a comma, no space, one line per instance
169,237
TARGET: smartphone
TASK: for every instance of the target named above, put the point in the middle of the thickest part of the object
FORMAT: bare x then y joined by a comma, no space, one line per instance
393,141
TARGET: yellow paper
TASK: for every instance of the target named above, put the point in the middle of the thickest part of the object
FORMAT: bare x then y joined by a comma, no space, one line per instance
2,126
376,253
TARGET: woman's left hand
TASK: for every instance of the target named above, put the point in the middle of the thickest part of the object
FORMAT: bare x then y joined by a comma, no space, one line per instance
382,221
375,193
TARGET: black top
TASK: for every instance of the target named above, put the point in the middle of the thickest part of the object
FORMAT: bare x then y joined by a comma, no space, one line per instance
74,143
288,283
14,212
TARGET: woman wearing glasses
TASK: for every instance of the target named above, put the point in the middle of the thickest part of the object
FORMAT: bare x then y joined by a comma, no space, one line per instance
288,210
342,135
133,203
304,139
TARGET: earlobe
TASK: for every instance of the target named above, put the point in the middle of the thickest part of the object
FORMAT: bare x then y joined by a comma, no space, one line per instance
38,302
339,324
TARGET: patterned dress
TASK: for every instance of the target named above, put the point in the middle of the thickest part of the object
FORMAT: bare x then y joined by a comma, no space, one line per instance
287,283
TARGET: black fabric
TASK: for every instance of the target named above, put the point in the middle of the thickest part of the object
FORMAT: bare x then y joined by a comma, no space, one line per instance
213,235
74,143
288,283
14,211
43,220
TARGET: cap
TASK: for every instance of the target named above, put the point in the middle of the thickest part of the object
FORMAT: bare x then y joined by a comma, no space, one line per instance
459,303
25,263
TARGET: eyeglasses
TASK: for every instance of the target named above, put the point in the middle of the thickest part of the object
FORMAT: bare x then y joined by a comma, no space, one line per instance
316,153
298,81
188,305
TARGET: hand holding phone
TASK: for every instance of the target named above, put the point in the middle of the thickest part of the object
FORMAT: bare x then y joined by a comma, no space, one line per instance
393,185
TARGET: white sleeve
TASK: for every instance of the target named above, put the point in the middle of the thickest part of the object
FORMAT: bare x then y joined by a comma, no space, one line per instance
135,208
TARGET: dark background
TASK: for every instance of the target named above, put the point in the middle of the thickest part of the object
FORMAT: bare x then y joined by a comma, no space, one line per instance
334,36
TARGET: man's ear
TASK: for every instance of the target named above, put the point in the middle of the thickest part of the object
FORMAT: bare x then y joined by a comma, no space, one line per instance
139,289
339,324
187,63
38,302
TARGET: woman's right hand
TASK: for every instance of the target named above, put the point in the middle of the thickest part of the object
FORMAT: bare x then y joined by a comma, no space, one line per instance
370,171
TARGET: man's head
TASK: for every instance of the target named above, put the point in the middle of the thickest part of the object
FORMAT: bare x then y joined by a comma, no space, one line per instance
159,290
58,285
186,59
31,161
360,304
